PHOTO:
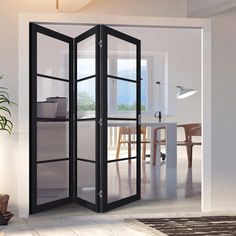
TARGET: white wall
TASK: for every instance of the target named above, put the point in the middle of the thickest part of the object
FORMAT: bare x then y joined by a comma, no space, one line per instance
224,115
74,18
9,157
165,8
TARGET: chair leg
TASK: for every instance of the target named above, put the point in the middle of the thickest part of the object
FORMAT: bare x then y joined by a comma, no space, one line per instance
190,155
129,147
154,153
118,146
144,152
129,151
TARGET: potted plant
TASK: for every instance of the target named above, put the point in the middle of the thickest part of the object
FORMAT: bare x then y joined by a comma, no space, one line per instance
7,126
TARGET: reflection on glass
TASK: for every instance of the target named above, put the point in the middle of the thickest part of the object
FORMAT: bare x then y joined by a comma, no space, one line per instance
52,57
52,140
126,68
52,98
86,181
86,99
121,178
86,57
144,85
126,98
86,140
123,56
121,139
52,181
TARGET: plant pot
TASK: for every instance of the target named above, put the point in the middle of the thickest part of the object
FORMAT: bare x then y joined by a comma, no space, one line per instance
4,203
5,215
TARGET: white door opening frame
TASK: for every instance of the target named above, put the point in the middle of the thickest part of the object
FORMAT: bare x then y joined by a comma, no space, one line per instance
23,100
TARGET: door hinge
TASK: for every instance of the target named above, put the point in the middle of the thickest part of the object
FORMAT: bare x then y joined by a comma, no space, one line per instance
100,194
139,119
100,122
100,43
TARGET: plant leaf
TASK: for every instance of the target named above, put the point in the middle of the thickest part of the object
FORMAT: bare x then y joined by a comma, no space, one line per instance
3,108
4,92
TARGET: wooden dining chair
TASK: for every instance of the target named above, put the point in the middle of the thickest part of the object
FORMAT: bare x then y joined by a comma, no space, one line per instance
190,130
128,132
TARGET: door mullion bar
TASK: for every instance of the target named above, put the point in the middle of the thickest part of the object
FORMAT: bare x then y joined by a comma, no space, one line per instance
71,118
98,115
75,120
33,118
138,108
103,116
53,77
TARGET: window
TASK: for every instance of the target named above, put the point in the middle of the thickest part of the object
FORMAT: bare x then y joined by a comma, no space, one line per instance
126,68
116,88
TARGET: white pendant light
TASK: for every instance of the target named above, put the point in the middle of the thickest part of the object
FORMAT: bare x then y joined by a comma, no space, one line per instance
185,92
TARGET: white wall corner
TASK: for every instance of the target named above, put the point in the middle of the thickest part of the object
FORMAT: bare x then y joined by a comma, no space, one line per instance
207,117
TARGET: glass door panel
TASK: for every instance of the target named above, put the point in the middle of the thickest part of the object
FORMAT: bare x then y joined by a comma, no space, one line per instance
122,54
51,115
87,122
121,180
52,57
121,131
122,98
86,184
86,101
52,181
86,57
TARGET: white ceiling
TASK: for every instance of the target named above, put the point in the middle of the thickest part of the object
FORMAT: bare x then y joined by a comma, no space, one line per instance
207,8
72,5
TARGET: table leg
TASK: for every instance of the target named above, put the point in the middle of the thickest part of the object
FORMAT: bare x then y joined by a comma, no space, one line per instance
158,151
171,147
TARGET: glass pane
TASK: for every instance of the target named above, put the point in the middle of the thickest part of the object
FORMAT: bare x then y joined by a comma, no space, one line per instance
121,58
86,181
86,99
86,140
52,140
122,98
121,180
122,136
52,57
86,57
52,98
52,181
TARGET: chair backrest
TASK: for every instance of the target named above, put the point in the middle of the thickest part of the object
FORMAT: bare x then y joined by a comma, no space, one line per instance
196,127
196,131
131,130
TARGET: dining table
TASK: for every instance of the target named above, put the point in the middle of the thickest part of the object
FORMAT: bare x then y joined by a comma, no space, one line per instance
170,137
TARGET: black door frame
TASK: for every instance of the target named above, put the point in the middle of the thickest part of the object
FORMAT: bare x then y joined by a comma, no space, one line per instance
101,32
105,31
34,30
93,31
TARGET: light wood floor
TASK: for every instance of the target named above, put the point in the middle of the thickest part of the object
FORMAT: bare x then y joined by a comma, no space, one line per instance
164,193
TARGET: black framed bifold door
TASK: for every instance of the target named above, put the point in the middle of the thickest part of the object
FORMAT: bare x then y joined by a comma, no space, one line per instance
121,118
51,118
87,126
84,107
